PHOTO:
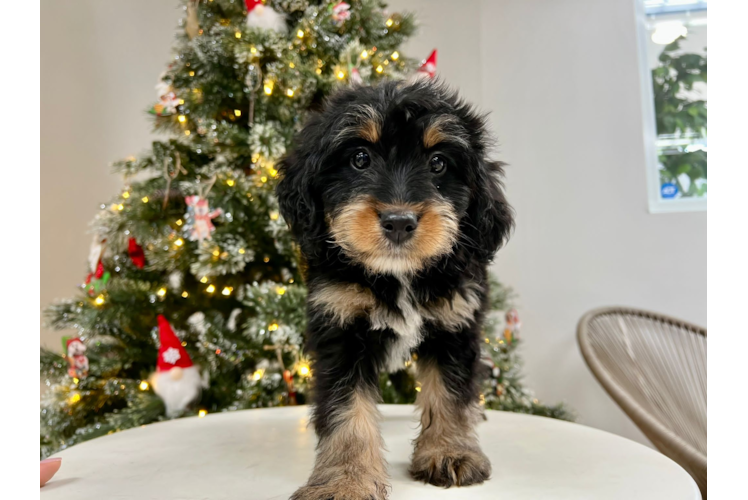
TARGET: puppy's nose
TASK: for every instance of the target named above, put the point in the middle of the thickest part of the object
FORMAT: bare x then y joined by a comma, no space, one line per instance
398,226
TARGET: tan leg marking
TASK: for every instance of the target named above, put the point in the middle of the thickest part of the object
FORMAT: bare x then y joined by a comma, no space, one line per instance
350,464
447,451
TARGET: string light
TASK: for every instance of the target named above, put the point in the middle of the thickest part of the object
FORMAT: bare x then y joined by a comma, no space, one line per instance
179,242
216,252
274,215
192,73
99,300
273,172
300,33
268,87
291,65
120,207
210,289
181,101
218,351
74,398
241,251
161,292
185,294
266,260
204,279
182,118
291,280
389,22
418,387
238,34
253,49
257,375
143,385
289,92
304,370
187,132
280,290
264,178
184,344
126,194
364,54
227,291
340,74
380,68
179,222
144,199
395,56
230,182
318,71
272,327
202,413
238,112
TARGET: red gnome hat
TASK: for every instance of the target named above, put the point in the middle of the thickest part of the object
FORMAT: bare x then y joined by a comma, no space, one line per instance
251,4
171,353
429,65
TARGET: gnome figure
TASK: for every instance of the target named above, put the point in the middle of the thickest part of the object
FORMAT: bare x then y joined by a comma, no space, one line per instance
177,381
428,68
76,357
264,17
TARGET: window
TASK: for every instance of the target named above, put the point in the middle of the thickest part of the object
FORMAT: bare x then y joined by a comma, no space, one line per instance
672,47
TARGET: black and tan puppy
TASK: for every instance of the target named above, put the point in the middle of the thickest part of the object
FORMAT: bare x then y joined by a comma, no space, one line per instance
397,211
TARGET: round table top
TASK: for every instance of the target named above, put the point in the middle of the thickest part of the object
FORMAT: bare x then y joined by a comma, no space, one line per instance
268,453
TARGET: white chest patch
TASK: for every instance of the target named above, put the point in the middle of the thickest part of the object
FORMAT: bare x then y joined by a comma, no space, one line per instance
344,302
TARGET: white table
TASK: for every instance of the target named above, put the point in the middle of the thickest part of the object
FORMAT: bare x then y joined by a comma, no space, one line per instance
266,454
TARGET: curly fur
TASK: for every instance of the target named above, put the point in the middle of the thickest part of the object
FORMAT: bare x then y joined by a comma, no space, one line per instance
373,303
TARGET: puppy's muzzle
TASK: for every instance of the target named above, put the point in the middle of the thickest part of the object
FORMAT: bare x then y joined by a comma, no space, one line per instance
398,225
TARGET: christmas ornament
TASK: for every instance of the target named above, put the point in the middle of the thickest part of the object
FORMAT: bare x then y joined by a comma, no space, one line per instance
264,17
356,77
513,325
198,219
168,101
95,252
76,357
136,254
97,280
176,381
428,68
341,12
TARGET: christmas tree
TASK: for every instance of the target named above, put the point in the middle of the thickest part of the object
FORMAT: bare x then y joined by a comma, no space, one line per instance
194,301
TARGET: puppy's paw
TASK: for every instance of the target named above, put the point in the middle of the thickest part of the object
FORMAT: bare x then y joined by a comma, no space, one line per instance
361,488
460,467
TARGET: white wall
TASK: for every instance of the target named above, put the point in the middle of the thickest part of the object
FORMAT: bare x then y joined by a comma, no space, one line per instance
561,81
100,60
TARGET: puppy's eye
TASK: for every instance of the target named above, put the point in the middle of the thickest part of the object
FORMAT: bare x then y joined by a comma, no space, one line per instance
360,160
438,164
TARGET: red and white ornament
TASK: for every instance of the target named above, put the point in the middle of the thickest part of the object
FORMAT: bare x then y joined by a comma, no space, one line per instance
264,17
75,354
356,77
428,67
199,218
341,12
176,381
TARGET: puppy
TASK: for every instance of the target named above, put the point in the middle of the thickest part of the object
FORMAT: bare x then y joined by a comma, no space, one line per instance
397,212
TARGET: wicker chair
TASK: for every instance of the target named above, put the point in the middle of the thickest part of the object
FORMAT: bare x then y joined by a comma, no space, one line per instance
654,367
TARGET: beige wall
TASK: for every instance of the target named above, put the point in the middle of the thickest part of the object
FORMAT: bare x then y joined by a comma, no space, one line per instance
100,60
561,81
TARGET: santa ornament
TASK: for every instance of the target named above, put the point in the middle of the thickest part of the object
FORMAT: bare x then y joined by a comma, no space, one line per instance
199,218
428,68
341,12
176,381
75,354
263,17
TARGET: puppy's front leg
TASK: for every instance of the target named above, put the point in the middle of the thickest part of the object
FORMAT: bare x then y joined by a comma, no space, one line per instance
349,463
447,451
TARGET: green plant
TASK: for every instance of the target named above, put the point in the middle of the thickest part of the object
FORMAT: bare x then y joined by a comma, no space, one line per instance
681,118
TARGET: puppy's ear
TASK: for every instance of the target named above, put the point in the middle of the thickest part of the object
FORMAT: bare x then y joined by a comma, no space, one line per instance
491,217
297,197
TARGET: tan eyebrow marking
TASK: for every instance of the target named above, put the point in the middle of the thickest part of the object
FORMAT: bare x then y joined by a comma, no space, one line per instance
444,128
